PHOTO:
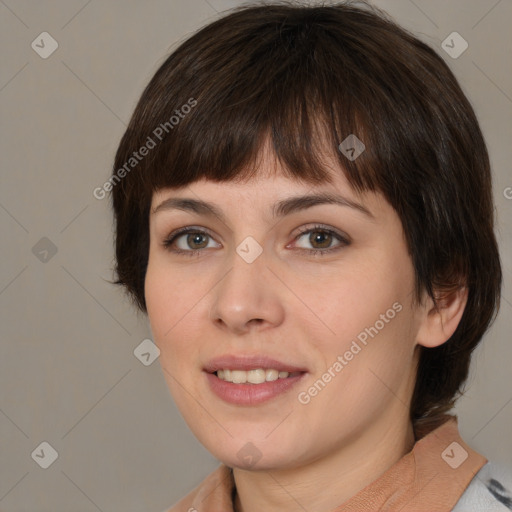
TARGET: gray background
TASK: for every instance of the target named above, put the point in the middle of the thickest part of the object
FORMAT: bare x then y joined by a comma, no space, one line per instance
68,373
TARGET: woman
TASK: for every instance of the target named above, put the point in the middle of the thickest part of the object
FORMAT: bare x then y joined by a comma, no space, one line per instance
304,209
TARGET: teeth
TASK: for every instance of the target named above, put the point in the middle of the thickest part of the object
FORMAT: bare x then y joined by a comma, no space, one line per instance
271,375
252,376
255,376
238,377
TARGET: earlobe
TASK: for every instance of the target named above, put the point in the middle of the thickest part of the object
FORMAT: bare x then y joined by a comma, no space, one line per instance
439,321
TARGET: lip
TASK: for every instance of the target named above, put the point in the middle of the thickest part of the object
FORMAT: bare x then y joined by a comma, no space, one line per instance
248,362
250,394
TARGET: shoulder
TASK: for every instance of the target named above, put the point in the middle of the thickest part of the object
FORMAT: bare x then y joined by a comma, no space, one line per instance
490,490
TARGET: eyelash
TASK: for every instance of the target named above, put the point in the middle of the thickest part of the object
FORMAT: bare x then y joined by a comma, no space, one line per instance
168,242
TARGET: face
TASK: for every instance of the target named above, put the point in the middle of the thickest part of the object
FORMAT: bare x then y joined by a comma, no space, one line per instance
312,305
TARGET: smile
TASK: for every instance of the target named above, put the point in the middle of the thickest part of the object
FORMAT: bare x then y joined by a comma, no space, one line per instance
250,379
257,376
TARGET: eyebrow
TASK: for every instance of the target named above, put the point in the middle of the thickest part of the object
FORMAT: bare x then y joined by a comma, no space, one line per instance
280,209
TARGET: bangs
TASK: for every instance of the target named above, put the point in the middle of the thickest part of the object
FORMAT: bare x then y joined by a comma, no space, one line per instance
299,129
291,85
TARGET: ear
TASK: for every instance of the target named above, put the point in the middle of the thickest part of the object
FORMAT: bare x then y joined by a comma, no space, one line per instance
438,322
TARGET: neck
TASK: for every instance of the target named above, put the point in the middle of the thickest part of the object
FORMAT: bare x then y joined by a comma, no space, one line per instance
340,475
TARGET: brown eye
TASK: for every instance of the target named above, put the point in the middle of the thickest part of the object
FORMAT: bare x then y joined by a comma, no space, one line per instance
195,238
191,244
321,240
320,237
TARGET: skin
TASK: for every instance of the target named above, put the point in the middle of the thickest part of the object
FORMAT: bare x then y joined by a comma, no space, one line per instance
310,309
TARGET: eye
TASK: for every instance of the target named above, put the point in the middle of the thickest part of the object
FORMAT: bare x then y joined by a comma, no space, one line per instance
321,239
192,244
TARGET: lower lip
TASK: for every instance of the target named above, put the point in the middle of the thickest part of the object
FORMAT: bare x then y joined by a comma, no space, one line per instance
250,394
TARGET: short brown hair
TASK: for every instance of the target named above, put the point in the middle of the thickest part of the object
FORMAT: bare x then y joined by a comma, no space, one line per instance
300,75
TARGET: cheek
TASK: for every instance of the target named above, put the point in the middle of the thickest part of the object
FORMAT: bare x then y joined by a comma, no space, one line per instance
171,300
359,299
159,297
171,305
370,324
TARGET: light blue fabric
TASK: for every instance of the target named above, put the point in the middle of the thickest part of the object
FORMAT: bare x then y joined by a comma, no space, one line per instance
489,491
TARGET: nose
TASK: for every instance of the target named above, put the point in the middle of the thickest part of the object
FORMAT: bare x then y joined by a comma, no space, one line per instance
248,297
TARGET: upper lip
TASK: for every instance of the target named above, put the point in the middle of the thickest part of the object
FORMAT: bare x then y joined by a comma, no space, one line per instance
248,362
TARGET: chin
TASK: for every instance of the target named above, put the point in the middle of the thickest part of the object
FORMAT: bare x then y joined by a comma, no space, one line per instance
253,455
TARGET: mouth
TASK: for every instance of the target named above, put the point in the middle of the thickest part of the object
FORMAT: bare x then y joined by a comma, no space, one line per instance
249,380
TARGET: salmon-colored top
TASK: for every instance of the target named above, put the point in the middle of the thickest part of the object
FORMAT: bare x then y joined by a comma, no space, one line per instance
431,477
